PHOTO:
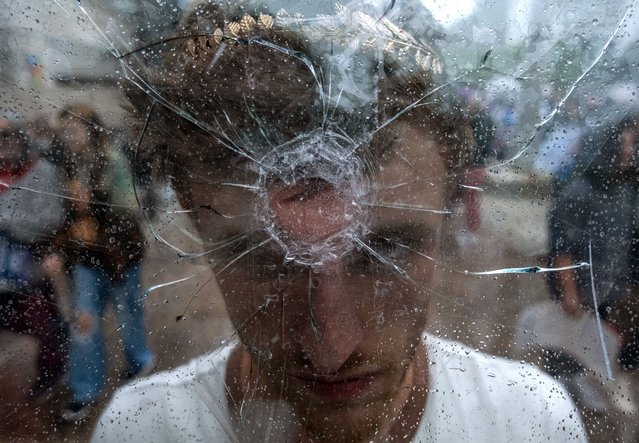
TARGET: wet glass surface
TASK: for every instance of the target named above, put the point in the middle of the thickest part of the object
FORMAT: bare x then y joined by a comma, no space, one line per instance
297,191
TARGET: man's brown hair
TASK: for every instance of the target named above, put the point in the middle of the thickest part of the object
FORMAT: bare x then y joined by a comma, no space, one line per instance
238,85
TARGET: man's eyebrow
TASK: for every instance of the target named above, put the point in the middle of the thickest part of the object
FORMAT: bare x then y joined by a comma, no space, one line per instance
409,234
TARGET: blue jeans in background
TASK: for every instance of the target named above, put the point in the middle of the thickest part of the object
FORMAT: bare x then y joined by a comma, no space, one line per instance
92,289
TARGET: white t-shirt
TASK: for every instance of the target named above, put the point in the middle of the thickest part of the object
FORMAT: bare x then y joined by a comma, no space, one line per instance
472,397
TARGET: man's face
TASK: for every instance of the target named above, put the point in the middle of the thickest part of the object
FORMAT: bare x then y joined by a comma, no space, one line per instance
335,336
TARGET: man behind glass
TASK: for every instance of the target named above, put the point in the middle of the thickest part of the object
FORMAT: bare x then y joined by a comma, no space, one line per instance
316,158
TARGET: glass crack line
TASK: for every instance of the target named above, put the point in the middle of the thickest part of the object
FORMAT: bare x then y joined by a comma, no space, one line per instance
309,301
241,185
475,188
595,302
170,283
381,258
528,270
64,197
406,207
557,108
152,92
248,251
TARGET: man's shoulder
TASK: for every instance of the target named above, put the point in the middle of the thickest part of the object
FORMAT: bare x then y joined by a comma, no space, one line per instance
447,353
168,402
498,377
206,371
197,370
472,393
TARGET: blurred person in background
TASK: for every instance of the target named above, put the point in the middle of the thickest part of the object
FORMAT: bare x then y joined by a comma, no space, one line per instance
320,214
506,118
484,129
102,247
595,214
558,150
42,138
30,213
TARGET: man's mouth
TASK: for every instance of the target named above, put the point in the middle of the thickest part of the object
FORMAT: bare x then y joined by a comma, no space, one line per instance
338,387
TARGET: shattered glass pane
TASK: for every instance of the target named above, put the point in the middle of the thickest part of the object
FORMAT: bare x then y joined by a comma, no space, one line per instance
319,221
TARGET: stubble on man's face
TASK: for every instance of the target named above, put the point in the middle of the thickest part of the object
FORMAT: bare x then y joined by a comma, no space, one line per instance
335,340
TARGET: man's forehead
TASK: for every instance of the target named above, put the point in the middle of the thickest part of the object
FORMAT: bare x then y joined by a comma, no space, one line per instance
406,185
398,152
211,159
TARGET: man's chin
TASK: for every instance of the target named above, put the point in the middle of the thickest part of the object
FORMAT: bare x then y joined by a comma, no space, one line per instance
353,422
345,410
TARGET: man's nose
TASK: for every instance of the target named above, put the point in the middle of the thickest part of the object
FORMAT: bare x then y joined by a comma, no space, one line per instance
331,331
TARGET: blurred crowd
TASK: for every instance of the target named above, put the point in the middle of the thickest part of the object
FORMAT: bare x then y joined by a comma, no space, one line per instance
71,243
